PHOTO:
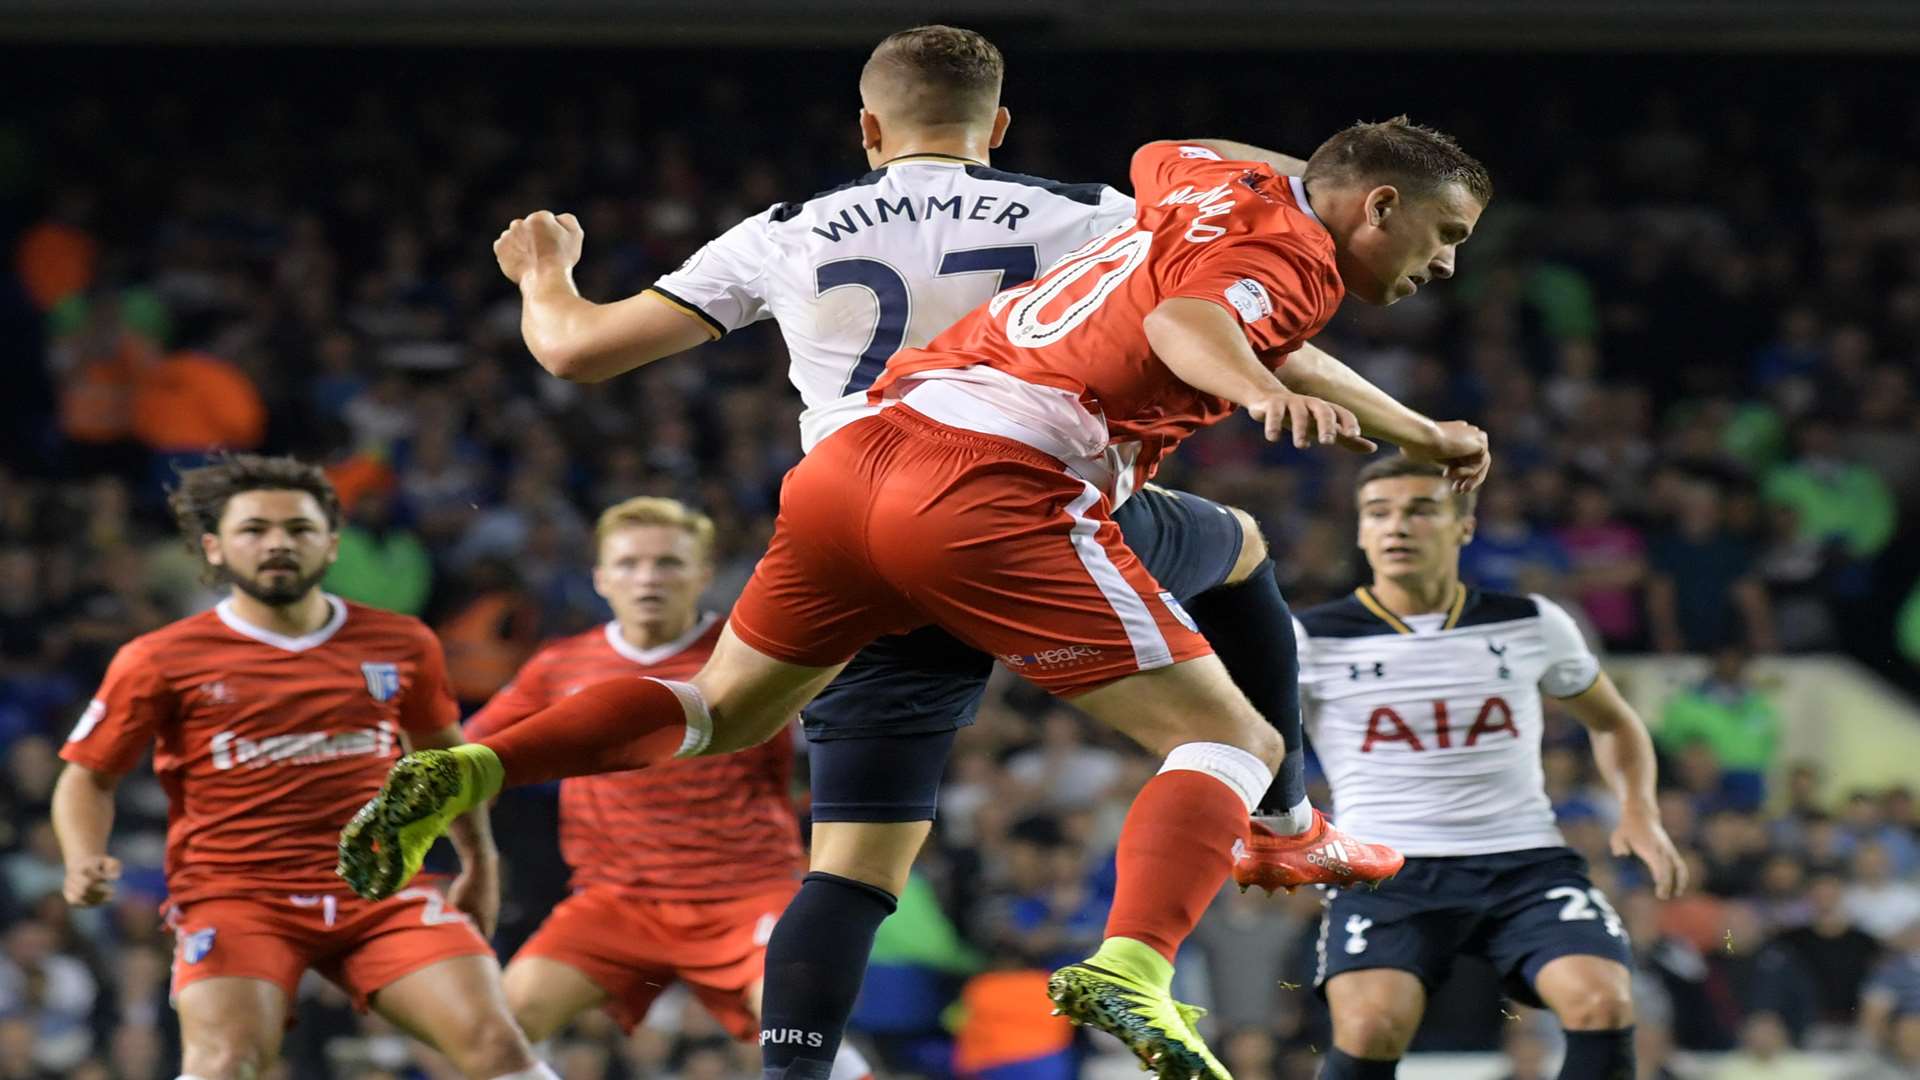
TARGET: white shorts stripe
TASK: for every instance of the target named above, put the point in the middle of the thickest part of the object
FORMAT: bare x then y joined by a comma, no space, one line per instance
1150,648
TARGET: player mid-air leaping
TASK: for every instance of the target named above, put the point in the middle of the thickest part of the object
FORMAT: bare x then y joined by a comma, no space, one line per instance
978,499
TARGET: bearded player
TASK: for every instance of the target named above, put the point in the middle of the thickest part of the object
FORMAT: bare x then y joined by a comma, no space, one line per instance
1422,697
679,872
272,718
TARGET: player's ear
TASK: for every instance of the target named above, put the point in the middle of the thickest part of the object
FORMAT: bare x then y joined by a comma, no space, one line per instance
1381,203
869,130
1467,524
333,548
210,550
600,581
1001,120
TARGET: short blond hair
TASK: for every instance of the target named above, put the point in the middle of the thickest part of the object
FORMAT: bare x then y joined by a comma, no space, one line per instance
654,510
932,76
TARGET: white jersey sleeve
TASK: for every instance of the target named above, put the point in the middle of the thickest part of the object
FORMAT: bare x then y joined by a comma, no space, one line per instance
1571,667
724,283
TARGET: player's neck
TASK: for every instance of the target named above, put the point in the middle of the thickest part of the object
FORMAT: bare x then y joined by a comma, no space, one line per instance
297,618
653,634
971,147
1416,597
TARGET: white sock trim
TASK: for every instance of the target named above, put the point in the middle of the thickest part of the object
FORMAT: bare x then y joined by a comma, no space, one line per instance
1246,774
1292,821
699,719
849,1064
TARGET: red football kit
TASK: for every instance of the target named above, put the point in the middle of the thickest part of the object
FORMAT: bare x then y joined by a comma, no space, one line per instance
266,745
680,870
980,499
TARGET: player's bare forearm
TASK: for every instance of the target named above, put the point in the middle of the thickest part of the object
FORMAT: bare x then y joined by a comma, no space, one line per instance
1239,151
1622,749
83,811
1203,346
1312,370
581,341
472,832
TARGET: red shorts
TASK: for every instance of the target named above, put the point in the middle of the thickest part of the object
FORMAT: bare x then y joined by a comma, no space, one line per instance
359,945
896,522
634,947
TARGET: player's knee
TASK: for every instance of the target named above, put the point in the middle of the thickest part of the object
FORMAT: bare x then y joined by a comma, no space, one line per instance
532,1010
1376,1034
1253,547
225,1055
1600,1007
490,1045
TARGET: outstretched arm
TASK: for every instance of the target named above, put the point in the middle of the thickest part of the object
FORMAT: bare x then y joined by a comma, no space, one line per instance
1460,446
1203,345
575,338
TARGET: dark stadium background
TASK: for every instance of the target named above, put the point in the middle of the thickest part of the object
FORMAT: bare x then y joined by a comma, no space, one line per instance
1694,301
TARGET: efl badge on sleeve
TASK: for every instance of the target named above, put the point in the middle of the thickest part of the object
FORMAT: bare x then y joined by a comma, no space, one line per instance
195,946
383,680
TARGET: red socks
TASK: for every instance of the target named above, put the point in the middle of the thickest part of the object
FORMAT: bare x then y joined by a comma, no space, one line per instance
1176,849
608,727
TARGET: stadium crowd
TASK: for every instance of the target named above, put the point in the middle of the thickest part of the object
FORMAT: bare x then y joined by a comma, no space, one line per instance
1694,336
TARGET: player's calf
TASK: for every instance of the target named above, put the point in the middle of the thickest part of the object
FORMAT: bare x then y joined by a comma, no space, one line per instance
1592,996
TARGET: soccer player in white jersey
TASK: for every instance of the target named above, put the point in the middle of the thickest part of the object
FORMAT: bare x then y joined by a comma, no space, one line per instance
852,275
1422,699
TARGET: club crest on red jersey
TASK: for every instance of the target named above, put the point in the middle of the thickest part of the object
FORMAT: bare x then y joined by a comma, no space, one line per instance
383,680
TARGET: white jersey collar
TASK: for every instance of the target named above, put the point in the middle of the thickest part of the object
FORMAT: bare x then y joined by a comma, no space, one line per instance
240,626
1300,196
659,653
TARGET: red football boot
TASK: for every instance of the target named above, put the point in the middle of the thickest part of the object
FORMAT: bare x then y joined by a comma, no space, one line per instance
1323,855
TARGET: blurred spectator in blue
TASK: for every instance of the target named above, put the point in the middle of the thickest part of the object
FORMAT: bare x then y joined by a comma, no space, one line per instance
1045,903
1508,552
1831,953
1878,902
1702,593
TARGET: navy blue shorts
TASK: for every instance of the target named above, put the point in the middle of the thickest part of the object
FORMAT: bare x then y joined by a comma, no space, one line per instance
928,683
1516,909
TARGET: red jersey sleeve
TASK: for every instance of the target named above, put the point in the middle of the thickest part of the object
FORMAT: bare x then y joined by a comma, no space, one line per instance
527,694
1158,167
133,701
428,705
1281,290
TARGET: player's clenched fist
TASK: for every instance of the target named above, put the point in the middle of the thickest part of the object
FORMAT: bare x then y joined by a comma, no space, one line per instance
90,880
539,239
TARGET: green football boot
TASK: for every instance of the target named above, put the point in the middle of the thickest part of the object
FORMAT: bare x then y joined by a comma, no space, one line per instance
1123,990
385,843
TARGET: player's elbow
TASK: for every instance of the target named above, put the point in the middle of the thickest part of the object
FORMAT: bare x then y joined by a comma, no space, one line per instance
572,364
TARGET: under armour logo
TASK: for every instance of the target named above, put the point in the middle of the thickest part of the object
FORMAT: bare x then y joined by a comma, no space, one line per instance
1357,928
1499,652
1378,670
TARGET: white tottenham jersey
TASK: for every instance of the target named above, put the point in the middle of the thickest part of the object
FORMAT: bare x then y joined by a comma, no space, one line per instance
883,263
1429,727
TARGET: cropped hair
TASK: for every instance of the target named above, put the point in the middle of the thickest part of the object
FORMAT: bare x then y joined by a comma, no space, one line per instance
1418,160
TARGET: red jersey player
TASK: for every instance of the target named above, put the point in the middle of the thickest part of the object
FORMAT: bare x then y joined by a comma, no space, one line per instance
272,718
979,500
678,872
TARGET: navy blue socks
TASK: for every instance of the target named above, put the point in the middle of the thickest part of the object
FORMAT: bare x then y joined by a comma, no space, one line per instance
816,960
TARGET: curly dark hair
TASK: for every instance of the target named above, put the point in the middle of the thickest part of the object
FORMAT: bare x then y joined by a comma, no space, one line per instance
200,498
1402,153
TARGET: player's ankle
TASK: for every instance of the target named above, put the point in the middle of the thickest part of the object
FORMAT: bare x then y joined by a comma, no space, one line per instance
483,767
1292,822
1134,958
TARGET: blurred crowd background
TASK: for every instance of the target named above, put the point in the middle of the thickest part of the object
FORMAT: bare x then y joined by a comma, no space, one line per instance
1691,321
